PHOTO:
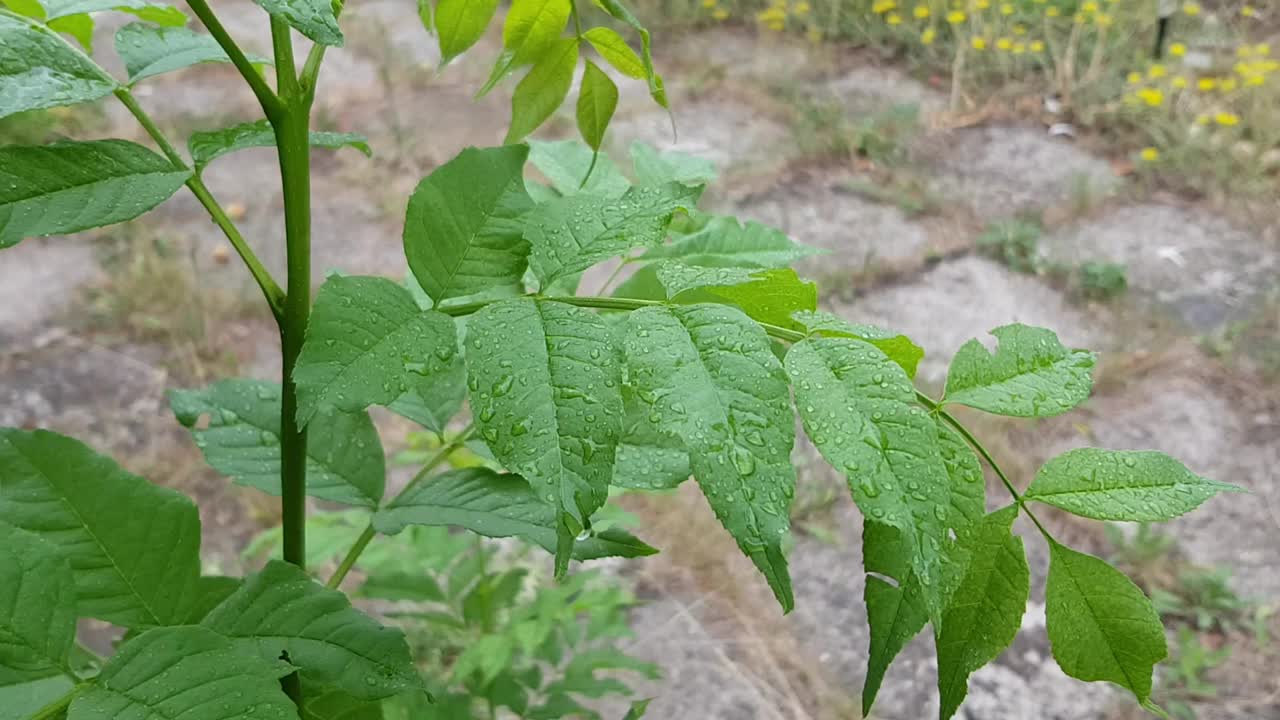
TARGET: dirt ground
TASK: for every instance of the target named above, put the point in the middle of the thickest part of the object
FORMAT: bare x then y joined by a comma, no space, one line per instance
1172,378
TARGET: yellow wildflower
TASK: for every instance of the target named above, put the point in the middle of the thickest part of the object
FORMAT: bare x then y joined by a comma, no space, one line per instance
1104,20
1248,11
1179,82
1037,46
978,43
1191,9
1019,48
1255,80
955,17
927,36
1153,97
1262,49
1227,84
921,11
1177,49
1134,78
983,4
1019,29
801,9
720,13
708,4
1004,43
1149,154
1227,119
1052,11
894,19
1006,9
1089,7
1156,71
883,6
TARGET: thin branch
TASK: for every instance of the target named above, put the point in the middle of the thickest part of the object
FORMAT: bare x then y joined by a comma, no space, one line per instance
270,289
271,103
368,534
310,76
282,51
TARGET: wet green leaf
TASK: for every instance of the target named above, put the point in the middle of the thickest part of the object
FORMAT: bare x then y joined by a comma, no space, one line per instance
654,168
597,100
725,242
148,51
566,162
897,346
242,441
39,70
615,50
1031,374
37,607
895,611
1137,486
317,19
708,376
767,296
153,12
207,146
543,89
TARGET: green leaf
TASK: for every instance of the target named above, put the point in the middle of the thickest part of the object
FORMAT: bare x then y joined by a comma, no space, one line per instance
648,458
544,384
71,186
638,709
577,232
283,610
210,591
566,164
207,146
368,343
317,19
532,27
543,89
39,70
495,505
1101,626
620,12
724,242
79,27
127,572
653,167
460,23
1030,375
326,703
858,407
615,50
895,611
26,8
968,484
433,404
344,460
767,296
898,347
461,233
148,51
708,375
158,13
597,100
188,672
23,700
985,611
37,607
1138,486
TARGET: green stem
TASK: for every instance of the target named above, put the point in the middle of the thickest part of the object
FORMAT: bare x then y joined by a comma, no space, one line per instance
286,71
271,104
58,708
362,542
310,76
270,290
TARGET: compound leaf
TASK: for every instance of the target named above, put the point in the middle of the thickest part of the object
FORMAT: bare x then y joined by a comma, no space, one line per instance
207,146
345,463
985,611
368,343
1101,626
573,233
128,570
1138,486
37,607
460,23
461,234
648,457
858,407
495,505
148,51
597,100
895,611
188,672
317,19
71,186
543,89
724,242
708,375
897,346
566,163
158,13
544,383
615,50
653,168
283,610
39,70
433,404
621,12
1030,375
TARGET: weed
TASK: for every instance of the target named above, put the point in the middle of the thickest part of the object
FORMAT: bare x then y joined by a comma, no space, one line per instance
1016,243
1102,280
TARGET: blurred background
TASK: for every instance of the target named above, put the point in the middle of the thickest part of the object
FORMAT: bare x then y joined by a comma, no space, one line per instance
967,164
